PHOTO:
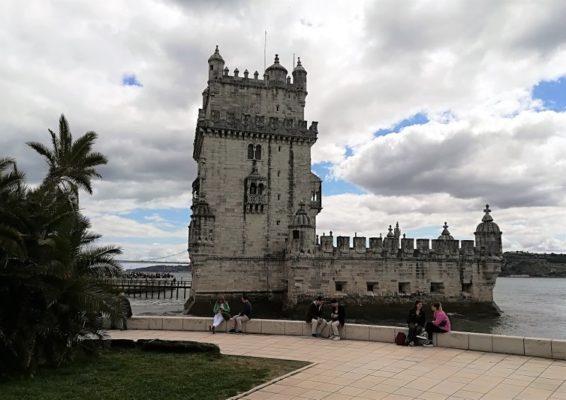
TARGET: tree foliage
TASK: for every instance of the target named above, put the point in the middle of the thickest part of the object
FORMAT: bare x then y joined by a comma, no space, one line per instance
53,287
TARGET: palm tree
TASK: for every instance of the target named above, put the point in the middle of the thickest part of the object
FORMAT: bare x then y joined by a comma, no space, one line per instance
72,164
52,277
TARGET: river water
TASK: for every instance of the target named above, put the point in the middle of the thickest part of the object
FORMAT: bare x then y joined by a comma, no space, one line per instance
533,307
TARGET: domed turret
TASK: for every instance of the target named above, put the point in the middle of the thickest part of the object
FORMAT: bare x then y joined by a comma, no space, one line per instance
488,234
302,238
301,217
276,73
215,65
445,235
300,76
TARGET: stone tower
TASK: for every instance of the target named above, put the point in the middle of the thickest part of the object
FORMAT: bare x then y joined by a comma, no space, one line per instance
253,150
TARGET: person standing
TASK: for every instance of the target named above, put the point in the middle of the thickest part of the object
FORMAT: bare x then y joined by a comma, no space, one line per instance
314,317
244,316
439,324
416,322
221,311
337,316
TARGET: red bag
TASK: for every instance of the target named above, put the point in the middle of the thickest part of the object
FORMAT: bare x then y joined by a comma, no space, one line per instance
401,339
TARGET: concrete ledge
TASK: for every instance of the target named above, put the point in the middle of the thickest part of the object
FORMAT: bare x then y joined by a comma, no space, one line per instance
196,323
252,326
294,328
155,322
454,340
356,332
381,334
508,344
480,342
272,327
534,347
538,347
559,349
173,323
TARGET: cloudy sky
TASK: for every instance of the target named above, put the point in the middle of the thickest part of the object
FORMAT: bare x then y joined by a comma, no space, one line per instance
427,109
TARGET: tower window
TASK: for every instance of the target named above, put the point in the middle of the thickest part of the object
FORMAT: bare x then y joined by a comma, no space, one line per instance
278,173
254,152
260,189
404,287
278,197
277,107
339,286
211,67
278,222
296,234
279,148
253,188
371,286
437,287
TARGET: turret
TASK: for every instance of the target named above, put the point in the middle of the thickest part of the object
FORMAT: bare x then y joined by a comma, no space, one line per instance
215,65
276,73
445,235
300,76
488,235
302,235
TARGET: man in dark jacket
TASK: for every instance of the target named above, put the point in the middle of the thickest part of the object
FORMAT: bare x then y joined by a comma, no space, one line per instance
416,322
314,317
244,316
338,317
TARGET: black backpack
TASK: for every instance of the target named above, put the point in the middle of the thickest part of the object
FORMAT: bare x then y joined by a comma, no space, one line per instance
401,339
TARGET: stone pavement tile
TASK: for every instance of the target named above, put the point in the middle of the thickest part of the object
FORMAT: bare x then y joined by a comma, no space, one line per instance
409,392
503,391
533,394
314,394
432,396
546,383
558,396
423,383
447,388
329,387
292,390
467,395
397,397
372,394
337,396
350,391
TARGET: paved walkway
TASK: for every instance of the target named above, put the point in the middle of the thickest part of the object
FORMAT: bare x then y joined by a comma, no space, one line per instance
369,370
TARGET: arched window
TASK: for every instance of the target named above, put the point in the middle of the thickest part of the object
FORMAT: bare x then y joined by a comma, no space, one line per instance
258,152
250,152
253,188
260,189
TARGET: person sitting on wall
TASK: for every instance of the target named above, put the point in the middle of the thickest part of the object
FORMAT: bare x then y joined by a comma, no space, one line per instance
244,316
440,323
416,322
337,317
314,317
221,311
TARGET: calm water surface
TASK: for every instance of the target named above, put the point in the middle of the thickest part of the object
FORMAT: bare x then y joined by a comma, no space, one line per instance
533,307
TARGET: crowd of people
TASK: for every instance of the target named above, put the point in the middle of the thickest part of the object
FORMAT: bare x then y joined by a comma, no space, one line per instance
147,275
420,330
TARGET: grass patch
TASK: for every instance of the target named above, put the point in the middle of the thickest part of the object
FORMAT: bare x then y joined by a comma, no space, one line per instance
135,374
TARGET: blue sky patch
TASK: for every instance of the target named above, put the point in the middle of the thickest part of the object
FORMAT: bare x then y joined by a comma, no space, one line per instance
552,94
417,119
131,80
167,219
331,186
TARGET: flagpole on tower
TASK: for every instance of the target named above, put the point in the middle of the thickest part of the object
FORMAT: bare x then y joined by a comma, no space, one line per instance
264,51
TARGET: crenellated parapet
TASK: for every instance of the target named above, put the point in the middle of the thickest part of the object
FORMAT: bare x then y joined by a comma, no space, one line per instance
405,248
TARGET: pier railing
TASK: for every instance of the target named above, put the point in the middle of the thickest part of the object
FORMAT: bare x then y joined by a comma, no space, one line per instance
153,288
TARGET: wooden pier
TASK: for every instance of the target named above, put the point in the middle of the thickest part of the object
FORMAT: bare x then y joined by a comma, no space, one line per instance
153,288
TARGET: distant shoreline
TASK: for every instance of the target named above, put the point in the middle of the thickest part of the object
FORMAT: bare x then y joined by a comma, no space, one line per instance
162,269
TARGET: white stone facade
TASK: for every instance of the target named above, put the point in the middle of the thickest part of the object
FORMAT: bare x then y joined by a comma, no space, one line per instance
255,202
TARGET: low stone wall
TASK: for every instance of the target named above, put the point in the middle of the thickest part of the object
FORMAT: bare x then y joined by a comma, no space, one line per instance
525,346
